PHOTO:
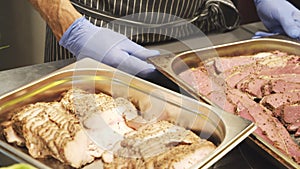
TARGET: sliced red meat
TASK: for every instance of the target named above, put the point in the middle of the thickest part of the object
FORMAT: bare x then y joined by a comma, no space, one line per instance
222,64
220,99
295,127
281,86
273,78
285,65
202,81
270,126
267,66
259,86
253,86
289,115
276,100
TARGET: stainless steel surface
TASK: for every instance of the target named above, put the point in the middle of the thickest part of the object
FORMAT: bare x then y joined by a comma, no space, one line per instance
172,65
224,129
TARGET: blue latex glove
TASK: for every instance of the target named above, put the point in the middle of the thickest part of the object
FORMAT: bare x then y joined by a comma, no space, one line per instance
279,16
83,39
261,34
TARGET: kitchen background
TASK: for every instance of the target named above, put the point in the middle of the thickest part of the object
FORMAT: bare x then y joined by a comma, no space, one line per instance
22,28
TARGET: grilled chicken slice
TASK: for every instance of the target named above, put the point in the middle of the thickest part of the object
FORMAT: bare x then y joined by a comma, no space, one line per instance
11,135
83,126
102,116
50,130
160,145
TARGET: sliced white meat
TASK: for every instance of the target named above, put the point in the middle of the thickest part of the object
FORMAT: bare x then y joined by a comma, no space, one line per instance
102,116
11,135
160,145
50,130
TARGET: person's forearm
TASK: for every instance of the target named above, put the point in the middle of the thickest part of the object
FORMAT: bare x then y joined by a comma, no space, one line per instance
59,14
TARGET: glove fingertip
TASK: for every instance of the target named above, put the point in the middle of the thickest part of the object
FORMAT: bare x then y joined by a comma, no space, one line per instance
294,33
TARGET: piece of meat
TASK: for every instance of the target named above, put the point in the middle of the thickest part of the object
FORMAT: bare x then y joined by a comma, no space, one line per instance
236,74
202,81
267,66
281,86
102,116
295,127
252,85
253,90
10,134
160,145
259,86
55,128
271,126
222,64
221,99
83,103
289,114
276,100
25,123
50,130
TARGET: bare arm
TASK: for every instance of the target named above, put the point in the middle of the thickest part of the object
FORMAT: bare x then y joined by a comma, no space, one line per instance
59,14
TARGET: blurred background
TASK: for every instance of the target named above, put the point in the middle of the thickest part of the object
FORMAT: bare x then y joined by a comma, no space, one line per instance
22,28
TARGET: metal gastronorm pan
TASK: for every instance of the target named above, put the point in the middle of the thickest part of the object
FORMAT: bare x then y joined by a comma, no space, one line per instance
173,64
222,128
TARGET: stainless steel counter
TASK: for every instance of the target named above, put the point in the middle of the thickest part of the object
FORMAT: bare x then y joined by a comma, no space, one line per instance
243,156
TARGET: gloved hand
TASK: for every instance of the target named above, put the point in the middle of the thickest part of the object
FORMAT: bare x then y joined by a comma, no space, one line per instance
83,39
279,16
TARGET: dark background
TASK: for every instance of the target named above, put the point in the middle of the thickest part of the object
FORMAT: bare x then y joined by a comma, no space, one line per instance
248,12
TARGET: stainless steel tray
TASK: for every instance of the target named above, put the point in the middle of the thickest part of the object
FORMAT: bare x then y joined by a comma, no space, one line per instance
171,65
222,128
